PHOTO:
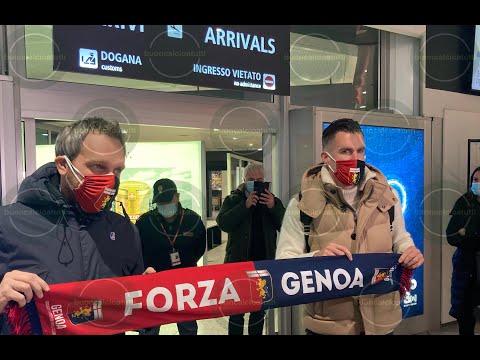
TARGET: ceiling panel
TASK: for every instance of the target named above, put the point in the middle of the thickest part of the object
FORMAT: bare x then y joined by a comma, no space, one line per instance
214,139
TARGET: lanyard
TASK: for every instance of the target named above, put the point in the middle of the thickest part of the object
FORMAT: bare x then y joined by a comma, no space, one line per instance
175,238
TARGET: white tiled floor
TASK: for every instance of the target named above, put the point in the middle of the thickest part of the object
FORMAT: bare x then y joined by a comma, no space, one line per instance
217,254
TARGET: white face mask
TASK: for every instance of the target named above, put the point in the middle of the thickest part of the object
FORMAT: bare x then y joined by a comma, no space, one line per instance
74,171
167,210
334,167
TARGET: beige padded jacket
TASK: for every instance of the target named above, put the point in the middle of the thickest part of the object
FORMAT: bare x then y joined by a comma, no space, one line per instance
334,221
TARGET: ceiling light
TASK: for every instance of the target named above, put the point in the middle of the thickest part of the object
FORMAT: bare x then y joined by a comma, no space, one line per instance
250,144
234,138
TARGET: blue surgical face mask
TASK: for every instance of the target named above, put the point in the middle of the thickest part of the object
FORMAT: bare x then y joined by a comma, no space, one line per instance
167,210
476,188
249,186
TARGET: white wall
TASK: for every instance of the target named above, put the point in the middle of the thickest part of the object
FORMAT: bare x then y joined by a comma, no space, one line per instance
302,149
402,77
9,143
436,101
72,101
409,30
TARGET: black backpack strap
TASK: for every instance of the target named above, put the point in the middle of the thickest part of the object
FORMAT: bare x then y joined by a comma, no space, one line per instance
306,221
391,214
124,211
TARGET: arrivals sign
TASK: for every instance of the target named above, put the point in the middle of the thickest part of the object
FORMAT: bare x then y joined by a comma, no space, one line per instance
239,57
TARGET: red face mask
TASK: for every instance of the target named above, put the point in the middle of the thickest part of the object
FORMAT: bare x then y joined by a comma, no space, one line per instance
348,172
95,192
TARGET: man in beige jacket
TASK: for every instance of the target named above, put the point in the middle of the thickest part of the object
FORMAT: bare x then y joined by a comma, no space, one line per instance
348,201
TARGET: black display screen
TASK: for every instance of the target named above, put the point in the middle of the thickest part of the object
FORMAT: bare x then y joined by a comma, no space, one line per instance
449,58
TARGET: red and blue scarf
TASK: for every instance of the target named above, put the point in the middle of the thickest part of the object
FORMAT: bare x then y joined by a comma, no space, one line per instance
115,305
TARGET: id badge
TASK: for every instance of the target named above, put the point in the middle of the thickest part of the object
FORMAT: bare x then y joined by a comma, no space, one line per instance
175,258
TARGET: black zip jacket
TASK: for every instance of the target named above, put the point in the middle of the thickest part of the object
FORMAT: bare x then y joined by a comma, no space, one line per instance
190,242
40,233
235,219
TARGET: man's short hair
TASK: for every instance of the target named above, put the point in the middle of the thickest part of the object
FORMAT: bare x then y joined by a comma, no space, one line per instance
70,139
345,125
252,167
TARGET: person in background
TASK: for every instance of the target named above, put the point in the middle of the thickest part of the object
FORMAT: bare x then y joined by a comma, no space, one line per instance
251,220
172,237
463,232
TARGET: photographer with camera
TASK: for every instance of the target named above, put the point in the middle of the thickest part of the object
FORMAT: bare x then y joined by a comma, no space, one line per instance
251,215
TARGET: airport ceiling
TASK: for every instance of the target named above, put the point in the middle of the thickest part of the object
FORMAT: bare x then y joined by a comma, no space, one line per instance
213,139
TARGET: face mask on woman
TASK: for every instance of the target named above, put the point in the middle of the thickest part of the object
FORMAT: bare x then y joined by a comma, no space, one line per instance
476,188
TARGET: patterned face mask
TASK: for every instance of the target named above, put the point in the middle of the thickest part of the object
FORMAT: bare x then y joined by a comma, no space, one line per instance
348,172
95,192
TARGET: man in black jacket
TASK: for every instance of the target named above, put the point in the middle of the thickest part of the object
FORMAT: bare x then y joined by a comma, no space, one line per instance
61,228
172,237
251,221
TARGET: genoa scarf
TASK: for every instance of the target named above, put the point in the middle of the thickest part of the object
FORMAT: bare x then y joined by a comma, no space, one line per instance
115,305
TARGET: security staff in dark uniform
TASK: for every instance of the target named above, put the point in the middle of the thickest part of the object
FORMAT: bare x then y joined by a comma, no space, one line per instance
172,237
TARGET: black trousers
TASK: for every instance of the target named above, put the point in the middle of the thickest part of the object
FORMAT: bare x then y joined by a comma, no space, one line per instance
466,318
184,328
466,324
255,323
